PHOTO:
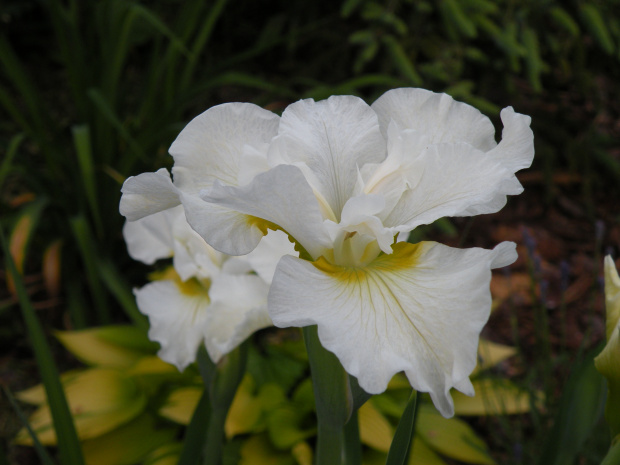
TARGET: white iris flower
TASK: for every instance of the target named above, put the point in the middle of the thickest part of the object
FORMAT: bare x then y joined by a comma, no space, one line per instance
344,180
206,297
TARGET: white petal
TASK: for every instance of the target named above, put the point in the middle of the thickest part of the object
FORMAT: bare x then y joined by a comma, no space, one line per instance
419,310
193,257
212,146
150,238
225,229
177,320
332,138
239,308
455,180
265,257
148,193
281,196
438,116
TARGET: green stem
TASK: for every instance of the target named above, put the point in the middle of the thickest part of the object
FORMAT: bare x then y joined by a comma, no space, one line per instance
352,444
329,447
334,401
215,437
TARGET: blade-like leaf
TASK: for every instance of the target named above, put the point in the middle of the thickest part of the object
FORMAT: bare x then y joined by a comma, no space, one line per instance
403,437
68,444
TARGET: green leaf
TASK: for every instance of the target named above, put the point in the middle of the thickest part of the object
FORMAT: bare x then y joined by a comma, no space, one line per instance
451,437
129,444
565,21
493,397
181,403
595,23
100,400
68,444
41,451
401,60
455,15
375,430
403,437
196,432
11,151
84,152
101,347
421,453
580,409
334,401
86,244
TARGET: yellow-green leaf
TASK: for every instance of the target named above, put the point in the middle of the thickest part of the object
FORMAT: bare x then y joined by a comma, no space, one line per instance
302,453
129,444
375,430
491,354
90,347
165,455
493,397
422,454
152,365
181,403
100,400
258,451
451,437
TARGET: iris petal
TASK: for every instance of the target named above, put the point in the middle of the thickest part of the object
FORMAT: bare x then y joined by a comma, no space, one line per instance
419,310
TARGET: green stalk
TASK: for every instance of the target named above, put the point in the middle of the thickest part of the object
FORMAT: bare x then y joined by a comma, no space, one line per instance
222,386
334,401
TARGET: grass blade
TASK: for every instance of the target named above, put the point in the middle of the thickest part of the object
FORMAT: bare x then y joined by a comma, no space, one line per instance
84,239
69,446
403,437
113,280
196,431
41,451
84,151
11,150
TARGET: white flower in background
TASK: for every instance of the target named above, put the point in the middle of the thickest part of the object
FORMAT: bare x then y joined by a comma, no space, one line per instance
206,296
344,180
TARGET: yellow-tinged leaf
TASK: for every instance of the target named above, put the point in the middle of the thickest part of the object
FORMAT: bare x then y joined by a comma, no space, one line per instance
422,454
165,455
152,365
493,397
399,381
129,444
451,437
36,394
258,451
288,424
91,349
491,353
180,404
249,408
302,453
99,399
51,268
375,430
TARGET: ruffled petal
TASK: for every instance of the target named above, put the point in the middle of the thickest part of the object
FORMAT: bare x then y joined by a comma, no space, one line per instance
438,116
329,140
419,310
148,193
212,146
177,317
149,239
452,180
239,308
282,197
265,257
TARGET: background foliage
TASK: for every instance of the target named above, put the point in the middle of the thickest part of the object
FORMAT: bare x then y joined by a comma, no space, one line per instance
93,92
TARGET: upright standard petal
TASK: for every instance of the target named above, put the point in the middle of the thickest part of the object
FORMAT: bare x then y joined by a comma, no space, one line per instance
329,140
148,193
280,197
419,310
438,116
212,146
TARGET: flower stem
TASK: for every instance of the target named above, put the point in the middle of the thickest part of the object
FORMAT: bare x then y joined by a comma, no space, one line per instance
334,401
221,383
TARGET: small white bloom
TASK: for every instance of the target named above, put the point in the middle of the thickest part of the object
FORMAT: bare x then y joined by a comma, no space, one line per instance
207,297
345,180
